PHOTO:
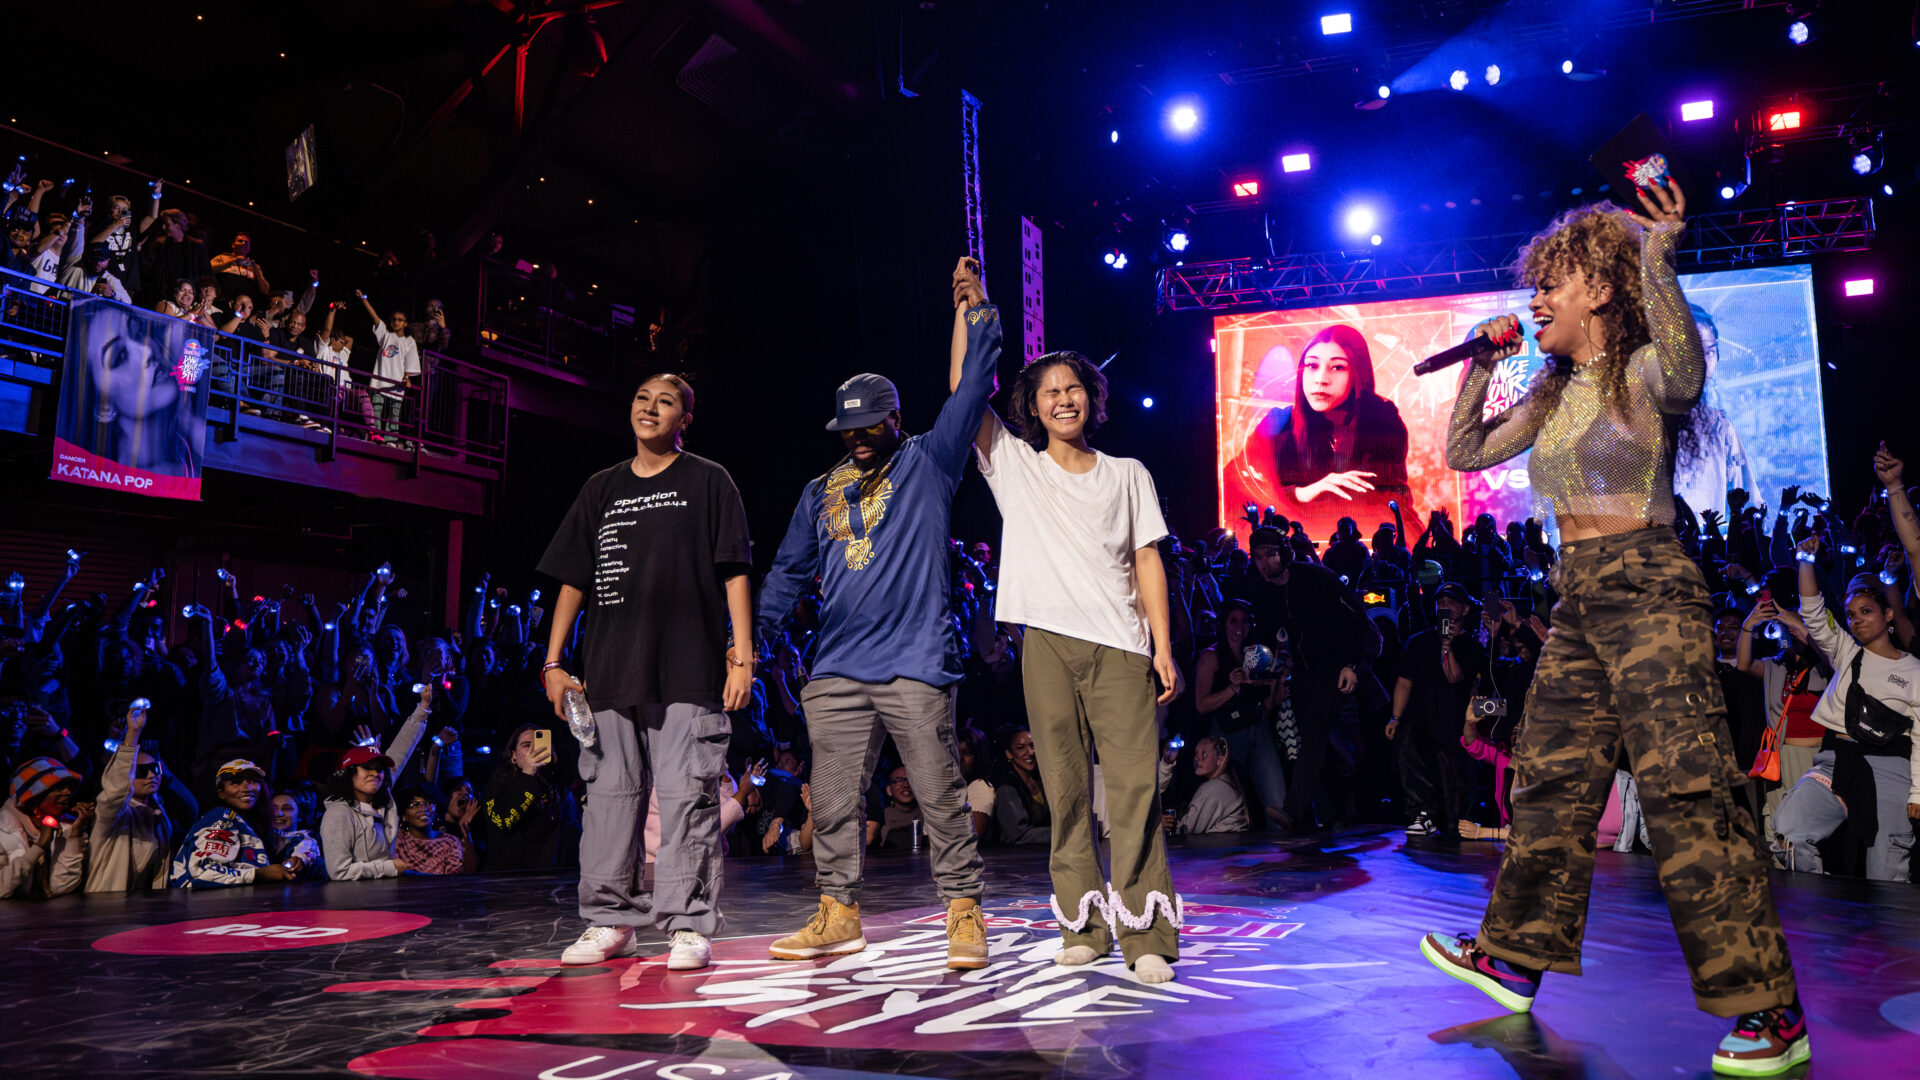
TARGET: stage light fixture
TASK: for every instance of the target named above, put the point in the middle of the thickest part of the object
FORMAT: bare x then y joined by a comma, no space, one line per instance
1867,156
1696,110
1340,23
1110,257
1360,220
1566,67
1493,74
1458,80
1384,91
1784,120
1296,162
1860,287
1246,189
1177,239
1113,136
1799,32
1374,239
1183,118
1146,403
1887,190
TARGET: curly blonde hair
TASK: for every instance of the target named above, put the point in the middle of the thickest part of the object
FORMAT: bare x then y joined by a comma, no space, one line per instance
1602,242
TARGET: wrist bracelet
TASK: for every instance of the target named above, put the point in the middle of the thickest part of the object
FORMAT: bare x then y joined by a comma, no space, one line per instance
551,665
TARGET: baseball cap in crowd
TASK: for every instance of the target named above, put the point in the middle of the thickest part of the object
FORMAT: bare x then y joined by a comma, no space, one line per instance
863,401
1266,537
1456,591
365,755
237,768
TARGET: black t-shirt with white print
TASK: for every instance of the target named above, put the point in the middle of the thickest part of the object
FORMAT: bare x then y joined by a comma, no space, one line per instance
653,554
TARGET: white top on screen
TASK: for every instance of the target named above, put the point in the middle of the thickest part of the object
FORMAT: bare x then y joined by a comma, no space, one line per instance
1066,558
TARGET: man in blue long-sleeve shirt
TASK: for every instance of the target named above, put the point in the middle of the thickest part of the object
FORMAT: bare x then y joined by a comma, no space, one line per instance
874,531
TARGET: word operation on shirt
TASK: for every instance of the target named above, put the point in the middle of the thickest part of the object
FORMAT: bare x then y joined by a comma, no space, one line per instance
610,566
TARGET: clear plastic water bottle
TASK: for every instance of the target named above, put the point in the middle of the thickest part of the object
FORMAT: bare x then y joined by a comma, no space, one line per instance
579,717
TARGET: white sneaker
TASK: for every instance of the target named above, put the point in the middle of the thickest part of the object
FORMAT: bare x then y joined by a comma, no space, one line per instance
690,951
600,944
1422,825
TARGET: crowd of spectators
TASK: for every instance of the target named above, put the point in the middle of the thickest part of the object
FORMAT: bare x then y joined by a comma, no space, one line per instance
315,354
283,739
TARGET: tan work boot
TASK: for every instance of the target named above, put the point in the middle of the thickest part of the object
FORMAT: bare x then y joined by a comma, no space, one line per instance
966,934
833,931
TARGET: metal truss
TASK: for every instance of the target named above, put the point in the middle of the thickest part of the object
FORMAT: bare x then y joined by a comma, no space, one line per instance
1731,238
970,176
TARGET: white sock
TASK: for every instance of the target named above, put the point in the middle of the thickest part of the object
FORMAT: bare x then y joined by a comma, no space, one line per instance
1152,969
1076,955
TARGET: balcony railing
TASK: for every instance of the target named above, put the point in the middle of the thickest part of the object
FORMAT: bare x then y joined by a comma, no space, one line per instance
541,321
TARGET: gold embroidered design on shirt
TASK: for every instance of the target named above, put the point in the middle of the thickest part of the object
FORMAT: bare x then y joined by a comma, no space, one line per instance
839,518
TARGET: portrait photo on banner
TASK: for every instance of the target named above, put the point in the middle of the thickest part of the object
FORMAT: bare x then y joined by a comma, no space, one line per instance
134,390
1321,417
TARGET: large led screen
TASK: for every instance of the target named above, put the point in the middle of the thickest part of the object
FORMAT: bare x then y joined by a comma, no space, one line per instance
1758,426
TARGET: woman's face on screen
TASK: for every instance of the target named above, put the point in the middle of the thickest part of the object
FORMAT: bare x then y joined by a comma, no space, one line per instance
1326,376
131,372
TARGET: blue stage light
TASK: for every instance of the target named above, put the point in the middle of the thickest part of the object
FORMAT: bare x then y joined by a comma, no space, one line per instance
1183,118
1798,32
1493,74
1458,80
1113,136
1341,23
1146,403
1177,239
1385,91
1360,220
1566,67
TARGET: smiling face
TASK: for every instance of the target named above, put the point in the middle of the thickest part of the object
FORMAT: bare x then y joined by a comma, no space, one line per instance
899,788
1559,302
1062,402
1020,752
239,792
286,813
659,414
183,295
418,813
1326,376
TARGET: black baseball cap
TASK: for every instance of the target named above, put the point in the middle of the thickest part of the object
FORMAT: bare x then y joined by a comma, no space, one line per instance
1265,536
863,401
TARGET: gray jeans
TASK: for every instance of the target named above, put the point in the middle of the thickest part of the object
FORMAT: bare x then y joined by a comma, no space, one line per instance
847,721
1811,812
682,750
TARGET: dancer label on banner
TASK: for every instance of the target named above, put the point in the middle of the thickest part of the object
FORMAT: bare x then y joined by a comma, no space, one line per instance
133,400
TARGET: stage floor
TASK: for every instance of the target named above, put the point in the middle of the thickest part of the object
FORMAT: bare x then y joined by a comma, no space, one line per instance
1299,958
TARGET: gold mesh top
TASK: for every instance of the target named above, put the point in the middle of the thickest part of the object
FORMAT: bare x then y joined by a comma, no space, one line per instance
1611,471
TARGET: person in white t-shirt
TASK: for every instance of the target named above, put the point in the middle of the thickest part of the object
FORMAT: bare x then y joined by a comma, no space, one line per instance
1868,789
396,369
1079,569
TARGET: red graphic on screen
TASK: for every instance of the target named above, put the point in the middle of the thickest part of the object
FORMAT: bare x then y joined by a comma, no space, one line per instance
260,932
1296,435
1238,965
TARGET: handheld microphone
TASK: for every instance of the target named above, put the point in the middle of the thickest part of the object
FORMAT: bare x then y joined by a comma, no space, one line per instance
1472,348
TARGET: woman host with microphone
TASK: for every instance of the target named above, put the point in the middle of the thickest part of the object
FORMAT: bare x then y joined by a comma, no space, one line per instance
1629,665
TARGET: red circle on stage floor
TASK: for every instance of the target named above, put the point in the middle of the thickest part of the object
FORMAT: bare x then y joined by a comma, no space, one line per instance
260,932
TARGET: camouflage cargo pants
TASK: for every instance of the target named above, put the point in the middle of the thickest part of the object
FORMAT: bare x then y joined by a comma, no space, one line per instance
1630,661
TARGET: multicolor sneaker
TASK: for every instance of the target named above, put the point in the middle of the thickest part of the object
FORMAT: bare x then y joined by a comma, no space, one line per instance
1764,1043
1458,956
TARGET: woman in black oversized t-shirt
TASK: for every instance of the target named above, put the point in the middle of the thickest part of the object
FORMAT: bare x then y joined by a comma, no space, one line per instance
655,550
